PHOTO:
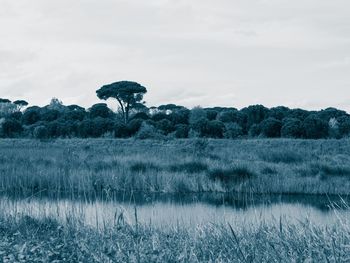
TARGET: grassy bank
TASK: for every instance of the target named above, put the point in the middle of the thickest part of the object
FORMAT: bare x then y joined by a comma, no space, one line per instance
102,166
25,239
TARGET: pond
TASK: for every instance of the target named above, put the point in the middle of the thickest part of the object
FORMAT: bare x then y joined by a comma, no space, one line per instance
184,210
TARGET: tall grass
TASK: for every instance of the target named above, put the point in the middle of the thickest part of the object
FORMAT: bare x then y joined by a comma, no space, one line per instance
98,166
26,239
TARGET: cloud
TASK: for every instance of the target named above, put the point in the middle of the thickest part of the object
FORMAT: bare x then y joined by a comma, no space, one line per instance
191,52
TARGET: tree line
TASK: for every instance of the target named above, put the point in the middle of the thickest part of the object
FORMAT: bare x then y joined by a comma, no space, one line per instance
134,119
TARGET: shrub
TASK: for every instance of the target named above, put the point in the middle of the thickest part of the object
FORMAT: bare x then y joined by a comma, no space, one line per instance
148,132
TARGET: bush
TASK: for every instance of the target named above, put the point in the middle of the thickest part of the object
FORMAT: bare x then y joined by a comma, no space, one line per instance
147,131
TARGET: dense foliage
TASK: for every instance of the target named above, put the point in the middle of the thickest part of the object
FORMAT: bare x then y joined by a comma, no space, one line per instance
134,119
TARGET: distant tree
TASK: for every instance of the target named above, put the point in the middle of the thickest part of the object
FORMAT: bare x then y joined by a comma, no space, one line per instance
234,116
75,107
16,115
291,128
48,115
255,114
254,130
160,116
147,131
298,114
141,115
74,113
31,115
199,126
100,110
180,116
333,128
181,131
211,114
330,113
4,100
127,93
233,130
344,126
169,108
95,127
271,127
41,132
121,130
315,128
11,128
279,112
20,104
134,126
56,104
214,129
7,108
196,114
165,126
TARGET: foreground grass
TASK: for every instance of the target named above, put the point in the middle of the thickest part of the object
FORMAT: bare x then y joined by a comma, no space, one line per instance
89,167
25,239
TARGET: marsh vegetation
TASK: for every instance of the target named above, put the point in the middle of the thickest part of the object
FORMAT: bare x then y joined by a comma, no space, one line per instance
102,166
107,200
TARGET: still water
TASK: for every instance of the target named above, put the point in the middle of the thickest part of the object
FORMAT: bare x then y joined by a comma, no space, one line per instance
184,210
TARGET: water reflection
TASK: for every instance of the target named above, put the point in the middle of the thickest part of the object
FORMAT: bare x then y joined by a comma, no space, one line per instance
186,210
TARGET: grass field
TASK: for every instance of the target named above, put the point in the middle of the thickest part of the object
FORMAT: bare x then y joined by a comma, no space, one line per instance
98,166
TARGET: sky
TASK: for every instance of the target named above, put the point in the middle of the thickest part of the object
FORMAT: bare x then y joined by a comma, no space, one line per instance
190,52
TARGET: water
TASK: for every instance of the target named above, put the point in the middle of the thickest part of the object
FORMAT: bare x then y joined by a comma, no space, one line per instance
184,210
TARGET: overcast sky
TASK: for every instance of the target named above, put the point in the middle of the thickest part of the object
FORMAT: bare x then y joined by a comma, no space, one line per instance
189,52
